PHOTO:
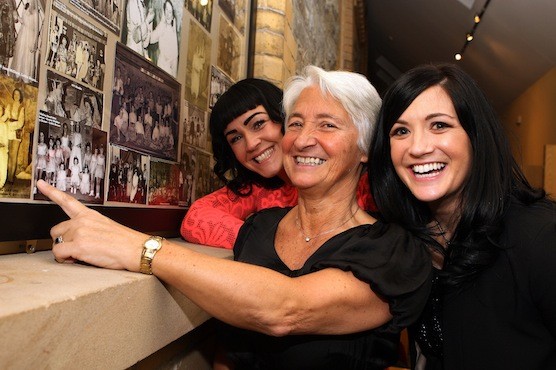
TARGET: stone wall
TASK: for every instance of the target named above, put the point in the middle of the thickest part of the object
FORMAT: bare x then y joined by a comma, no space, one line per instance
293,33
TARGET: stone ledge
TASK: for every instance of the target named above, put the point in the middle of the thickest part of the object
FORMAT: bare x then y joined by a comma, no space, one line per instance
62,316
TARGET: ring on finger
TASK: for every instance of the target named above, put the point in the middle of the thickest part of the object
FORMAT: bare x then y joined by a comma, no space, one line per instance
59,240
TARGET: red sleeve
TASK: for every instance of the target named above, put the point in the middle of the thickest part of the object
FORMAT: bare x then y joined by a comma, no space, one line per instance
215,219
364,197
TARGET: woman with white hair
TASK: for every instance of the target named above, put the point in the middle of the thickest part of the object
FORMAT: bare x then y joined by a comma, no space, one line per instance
319,285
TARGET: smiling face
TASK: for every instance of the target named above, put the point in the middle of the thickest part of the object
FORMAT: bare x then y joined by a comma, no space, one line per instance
431,151
320,144
168,12
255,140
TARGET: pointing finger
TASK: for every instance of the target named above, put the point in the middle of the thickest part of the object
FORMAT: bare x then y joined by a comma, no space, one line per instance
71,206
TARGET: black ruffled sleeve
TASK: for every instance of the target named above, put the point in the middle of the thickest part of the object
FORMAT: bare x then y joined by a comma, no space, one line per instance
392,261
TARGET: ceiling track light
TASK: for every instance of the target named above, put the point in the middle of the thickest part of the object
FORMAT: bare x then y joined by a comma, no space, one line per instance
471,34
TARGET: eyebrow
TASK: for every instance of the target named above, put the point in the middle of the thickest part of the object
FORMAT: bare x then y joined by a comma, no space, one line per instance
319,115
248,119
245,123
230,132
430,116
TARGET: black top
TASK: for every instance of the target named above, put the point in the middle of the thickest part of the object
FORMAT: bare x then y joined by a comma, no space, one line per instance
506,318
395,265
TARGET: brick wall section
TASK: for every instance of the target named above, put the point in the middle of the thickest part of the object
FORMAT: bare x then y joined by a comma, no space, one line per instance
275,46
274,57
346,35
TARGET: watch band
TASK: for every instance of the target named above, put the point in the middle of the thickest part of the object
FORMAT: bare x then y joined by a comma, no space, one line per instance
150,247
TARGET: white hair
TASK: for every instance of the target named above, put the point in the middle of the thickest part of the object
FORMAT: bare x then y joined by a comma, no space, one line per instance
356,94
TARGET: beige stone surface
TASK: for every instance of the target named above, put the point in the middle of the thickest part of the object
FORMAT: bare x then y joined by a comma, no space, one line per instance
270,43
268,67
62,316
270,20
278,5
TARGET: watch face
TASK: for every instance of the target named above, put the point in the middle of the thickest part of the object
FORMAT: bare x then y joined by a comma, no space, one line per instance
152,244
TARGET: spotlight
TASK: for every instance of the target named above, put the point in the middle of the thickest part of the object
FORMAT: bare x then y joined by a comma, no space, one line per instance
470,36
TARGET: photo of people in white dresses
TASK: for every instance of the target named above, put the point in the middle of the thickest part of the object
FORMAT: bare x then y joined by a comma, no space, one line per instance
68,99
127,176
71,157
219,83
145,107
235,11
152,28
107,12
18,109
202,11
76,48
164,184
20,43
229,49
196,127
198,66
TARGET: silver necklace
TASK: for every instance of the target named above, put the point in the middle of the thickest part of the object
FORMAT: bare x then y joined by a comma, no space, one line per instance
442,233
308,238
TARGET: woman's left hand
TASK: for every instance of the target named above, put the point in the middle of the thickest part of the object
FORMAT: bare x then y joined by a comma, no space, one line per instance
91,237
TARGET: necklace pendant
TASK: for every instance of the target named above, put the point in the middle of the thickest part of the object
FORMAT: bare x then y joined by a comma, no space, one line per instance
307,239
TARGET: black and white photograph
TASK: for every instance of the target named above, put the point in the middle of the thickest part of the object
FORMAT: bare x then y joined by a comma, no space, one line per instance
187,175
229,50
128,176
215,182
202,11
152,29
196,127
107,12
164,184
71,157
145,107
68,99
203,175
219,83
20,44
235,11
18,111
198,66
76,48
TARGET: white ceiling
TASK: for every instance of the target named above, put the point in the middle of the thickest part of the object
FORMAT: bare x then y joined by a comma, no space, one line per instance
514,45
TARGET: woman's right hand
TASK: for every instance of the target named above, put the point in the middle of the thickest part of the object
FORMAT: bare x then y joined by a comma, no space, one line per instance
91,237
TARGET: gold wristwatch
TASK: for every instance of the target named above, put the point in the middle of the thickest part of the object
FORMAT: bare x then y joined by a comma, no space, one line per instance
150,247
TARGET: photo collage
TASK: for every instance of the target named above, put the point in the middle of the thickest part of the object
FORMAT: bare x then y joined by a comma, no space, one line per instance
109,101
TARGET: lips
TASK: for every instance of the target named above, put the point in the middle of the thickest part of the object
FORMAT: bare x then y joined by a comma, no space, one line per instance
428,169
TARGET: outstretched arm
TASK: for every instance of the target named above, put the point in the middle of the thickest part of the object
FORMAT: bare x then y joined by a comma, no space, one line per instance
326,302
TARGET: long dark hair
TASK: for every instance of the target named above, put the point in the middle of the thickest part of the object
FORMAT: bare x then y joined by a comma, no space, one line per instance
494,181
239,98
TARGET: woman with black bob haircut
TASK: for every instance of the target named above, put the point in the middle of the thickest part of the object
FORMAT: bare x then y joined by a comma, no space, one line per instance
441,166
241,97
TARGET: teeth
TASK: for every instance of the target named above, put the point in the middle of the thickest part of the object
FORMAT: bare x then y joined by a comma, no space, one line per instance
429,167
311,161
264,155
